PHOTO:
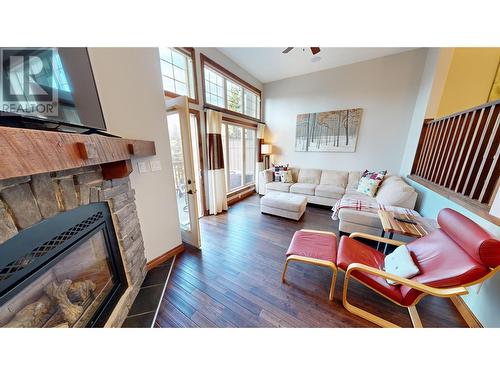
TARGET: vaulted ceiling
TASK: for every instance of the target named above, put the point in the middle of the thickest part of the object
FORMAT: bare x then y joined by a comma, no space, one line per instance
270,64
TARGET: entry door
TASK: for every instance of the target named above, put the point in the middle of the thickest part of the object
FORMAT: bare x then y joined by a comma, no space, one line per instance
179,131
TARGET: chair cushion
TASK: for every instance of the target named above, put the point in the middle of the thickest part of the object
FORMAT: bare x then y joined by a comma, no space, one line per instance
314,245
303,188
278,186
352,251
337,178
329,191
309,176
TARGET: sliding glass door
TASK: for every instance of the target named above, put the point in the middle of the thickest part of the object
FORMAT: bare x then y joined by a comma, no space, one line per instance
239,155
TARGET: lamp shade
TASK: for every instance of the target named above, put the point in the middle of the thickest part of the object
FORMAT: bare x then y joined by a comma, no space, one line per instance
266,149
495,207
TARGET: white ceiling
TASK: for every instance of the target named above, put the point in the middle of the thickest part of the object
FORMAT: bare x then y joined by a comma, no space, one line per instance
269,64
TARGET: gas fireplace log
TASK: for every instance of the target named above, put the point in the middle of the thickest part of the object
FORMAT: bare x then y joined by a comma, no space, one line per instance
80,291
33,315
58,293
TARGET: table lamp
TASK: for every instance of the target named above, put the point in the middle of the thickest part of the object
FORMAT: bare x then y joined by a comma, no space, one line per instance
266,149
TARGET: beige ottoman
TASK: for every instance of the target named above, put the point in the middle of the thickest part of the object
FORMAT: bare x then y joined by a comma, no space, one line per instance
283,204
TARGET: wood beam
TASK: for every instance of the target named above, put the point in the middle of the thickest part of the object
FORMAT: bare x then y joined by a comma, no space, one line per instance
26,152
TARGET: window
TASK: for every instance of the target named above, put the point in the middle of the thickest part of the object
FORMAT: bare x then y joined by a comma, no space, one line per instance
214,88
239,155
223,89
234,94
177,70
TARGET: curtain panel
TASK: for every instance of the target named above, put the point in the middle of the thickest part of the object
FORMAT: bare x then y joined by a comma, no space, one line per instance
260,160
217,192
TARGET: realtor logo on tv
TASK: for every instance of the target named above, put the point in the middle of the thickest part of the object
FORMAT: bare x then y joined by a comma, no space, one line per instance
28,81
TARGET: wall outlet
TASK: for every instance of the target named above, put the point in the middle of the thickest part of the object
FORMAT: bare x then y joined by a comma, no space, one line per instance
155,165
143,166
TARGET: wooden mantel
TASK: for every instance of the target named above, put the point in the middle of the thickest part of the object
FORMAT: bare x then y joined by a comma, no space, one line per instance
26,152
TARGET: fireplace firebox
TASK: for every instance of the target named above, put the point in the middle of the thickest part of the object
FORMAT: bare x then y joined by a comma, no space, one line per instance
65,271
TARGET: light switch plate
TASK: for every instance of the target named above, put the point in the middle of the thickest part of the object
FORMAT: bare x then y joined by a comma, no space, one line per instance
155,165
143,167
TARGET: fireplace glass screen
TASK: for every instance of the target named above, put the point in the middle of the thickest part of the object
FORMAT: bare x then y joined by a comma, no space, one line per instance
68,293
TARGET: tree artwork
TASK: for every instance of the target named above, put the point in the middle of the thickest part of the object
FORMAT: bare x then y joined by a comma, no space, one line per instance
332,131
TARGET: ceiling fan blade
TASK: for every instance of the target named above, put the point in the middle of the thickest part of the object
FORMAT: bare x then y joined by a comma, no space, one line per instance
315,50
288,49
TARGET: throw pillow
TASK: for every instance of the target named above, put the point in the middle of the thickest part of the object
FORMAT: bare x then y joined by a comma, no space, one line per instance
277,171
286,176
400,263
370,182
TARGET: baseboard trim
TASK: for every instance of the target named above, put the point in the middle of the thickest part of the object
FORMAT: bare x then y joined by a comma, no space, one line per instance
164,257
240,195
466,312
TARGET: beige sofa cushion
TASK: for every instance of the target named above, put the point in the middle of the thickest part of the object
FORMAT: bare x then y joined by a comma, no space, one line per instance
329,191
370,219
337,178
303,188
278,186
395,192
353,180
309,176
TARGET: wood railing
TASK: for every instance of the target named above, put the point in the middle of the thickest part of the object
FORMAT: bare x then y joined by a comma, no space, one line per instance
460,152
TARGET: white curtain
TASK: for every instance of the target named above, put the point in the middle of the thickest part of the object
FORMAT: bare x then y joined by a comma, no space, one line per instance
260,161
217,193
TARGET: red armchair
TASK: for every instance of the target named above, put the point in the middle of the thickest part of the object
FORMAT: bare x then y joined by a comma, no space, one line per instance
457,255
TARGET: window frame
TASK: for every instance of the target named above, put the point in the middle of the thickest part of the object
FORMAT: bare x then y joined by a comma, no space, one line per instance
243,125
188,52
227,75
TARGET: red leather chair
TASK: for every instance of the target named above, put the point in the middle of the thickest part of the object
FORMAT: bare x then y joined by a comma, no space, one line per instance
459,254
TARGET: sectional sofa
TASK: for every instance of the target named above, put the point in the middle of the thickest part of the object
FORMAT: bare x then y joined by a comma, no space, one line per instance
326,187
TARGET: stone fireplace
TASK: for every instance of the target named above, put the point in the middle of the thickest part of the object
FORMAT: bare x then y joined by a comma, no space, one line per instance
71,249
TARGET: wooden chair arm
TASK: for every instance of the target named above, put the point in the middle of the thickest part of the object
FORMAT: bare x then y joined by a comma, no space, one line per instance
438,292
376,238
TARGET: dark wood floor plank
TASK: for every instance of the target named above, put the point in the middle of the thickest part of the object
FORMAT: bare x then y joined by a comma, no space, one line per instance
235,280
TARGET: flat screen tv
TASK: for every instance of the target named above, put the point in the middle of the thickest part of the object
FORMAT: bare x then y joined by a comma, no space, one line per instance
50,88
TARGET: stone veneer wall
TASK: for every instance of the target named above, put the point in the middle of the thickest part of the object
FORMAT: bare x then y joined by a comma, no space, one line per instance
25,201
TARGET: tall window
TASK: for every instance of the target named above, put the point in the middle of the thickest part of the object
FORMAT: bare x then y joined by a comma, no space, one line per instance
177,70
225,90
239,155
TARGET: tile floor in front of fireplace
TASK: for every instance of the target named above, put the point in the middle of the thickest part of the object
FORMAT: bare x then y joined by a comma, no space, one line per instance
143,310
235,280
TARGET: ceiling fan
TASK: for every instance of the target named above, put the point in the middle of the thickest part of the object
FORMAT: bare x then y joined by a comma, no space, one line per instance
314,50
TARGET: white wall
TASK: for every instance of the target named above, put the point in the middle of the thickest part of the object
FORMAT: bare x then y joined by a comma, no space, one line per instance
129,85
427,87
386,89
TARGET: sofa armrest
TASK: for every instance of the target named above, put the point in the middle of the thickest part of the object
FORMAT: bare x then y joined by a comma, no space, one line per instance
266,176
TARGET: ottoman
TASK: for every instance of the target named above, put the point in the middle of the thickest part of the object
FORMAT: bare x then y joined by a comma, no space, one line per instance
314,247
283,204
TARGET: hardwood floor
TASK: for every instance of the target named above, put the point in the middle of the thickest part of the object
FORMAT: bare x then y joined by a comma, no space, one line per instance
235,280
